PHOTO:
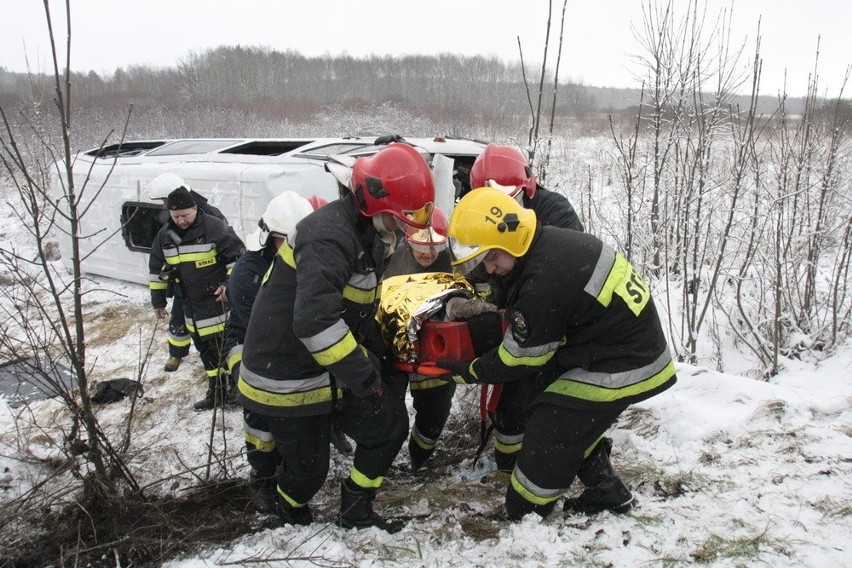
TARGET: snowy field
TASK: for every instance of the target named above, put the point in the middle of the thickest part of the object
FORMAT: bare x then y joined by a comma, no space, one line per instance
727,470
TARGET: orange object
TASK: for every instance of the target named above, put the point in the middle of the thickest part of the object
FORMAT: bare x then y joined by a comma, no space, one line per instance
444,341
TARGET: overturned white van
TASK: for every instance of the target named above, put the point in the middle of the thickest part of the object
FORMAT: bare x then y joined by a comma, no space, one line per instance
238,176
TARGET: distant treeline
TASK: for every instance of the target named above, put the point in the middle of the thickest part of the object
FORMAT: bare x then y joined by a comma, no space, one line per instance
296,87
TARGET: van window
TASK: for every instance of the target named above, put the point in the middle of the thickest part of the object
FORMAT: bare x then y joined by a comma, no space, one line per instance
124,149
267,147
183,147
140,223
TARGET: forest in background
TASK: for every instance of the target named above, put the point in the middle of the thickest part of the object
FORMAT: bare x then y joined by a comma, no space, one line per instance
242,87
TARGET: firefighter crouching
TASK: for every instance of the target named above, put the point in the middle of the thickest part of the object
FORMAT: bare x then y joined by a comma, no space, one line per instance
507,169
307,352
195,252
583,329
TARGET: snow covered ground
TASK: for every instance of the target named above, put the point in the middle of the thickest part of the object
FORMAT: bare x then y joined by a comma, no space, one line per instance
727,470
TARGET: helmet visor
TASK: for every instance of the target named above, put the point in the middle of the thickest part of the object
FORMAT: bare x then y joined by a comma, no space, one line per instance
427,240
465,257
418,218
510,190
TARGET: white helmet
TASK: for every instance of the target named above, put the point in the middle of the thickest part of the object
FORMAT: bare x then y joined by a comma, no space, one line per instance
280,218
164,184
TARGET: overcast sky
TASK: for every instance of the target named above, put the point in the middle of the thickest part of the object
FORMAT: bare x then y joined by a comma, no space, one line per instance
597,50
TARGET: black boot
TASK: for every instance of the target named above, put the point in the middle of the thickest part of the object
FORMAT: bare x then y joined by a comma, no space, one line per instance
418,454
291,515
356,510
214,397
263,493
604,489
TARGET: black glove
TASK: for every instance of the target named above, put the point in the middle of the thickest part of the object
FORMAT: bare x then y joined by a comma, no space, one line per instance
373,403
382,140
461,371
486,332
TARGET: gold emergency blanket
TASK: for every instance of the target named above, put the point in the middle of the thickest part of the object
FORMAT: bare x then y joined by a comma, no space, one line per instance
410,299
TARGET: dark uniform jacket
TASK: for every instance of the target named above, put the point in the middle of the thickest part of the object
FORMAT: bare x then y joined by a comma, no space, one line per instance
553,209
197,260
243,285
581,316
314,317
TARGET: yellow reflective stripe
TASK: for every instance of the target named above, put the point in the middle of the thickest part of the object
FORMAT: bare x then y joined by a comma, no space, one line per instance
179,342
591,448
362,480
212,373
337,351
622,280
159,285
314,396
289,499
265,446
597,393
529,495
236,357
360,296
191,257
427,384
507,448
531,361
422,441
285,251
208,330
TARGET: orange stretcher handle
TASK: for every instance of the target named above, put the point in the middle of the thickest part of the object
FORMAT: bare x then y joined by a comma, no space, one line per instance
427,369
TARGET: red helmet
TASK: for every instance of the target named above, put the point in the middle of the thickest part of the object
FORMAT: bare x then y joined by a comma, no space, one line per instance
435,237
505,168
316,201
395,180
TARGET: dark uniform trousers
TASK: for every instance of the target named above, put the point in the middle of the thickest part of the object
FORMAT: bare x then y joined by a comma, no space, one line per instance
378,425
432,405
556,441
179,338
211,349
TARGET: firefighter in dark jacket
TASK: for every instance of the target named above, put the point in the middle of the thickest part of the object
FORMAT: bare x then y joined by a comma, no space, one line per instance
583,330
178,338
507,169
195,252
424,251
312,342
278,220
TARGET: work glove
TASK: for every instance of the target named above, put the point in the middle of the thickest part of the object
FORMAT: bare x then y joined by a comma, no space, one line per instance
374,402
461,371
464,308
486,331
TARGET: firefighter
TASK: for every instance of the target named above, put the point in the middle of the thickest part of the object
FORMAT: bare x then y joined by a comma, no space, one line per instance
507,169
423,251
583,333
178,339
195,252
312,347
278,220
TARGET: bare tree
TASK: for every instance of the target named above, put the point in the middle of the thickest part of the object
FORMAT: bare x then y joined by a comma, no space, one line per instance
45,319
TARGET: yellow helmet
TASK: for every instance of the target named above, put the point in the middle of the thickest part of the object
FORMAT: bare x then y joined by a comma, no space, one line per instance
485,219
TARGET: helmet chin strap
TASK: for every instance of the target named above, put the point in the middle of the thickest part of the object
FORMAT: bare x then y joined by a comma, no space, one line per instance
388,237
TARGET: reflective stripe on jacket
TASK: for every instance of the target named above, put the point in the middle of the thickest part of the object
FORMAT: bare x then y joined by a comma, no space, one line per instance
197,260
313,313
580,315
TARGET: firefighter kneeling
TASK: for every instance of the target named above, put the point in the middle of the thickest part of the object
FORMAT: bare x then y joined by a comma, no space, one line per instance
583,333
